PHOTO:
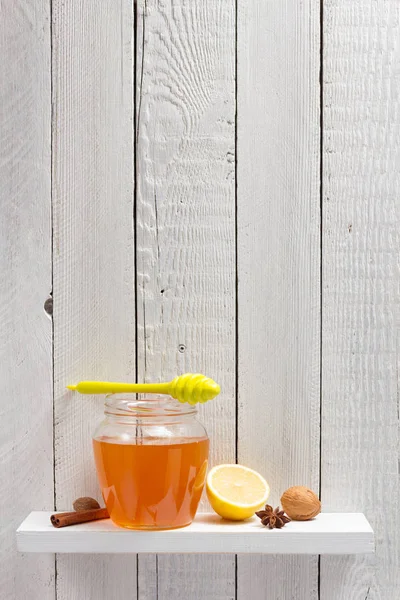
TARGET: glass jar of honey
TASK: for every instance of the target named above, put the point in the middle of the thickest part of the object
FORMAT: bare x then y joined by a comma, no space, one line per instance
151,458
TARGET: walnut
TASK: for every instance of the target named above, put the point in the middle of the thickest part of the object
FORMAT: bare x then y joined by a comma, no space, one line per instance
300,503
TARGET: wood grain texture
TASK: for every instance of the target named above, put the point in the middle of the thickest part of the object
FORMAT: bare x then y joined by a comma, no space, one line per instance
26,410
278,267
186,236
361,278
93,190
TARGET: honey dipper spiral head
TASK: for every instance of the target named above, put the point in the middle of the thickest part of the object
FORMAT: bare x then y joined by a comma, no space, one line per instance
194,388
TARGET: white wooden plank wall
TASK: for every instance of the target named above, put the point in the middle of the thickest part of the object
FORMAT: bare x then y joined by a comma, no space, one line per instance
186,236
94,305
361,279
278,268
196,211
26,406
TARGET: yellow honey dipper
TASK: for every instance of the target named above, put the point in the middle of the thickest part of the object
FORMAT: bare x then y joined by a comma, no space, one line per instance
191,387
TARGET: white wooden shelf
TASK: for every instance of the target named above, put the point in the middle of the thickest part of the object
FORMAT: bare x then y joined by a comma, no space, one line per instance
329,533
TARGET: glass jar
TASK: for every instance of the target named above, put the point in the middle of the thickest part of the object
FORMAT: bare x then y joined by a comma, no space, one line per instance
151,458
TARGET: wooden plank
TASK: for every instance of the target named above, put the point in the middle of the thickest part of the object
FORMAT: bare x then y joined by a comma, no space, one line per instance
186,235
329,533
26,414
94,329
361,278
278,267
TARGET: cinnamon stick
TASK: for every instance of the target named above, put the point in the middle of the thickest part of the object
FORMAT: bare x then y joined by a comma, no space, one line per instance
73,518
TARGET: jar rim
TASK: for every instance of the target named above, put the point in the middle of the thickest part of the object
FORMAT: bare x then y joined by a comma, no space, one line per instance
146,406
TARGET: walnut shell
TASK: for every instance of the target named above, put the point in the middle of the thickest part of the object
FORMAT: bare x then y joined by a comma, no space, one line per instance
300,503
85,503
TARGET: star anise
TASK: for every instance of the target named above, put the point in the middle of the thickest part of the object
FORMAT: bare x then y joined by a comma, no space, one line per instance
273,518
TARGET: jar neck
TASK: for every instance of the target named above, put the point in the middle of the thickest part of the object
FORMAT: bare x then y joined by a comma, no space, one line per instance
130,408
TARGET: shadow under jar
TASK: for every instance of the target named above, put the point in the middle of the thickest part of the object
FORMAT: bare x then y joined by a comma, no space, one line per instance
151,458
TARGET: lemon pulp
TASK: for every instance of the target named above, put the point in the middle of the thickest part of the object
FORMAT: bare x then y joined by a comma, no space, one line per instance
236,492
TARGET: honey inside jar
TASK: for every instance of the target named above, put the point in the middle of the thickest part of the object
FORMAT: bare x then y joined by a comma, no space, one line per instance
151,458
152,484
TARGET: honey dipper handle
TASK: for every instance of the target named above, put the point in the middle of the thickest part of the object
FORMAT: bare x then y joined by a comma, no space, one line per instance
109,387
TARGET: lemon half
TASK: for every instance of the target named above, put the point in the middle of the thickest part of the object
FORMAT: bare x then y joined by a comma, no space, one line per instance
236,492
